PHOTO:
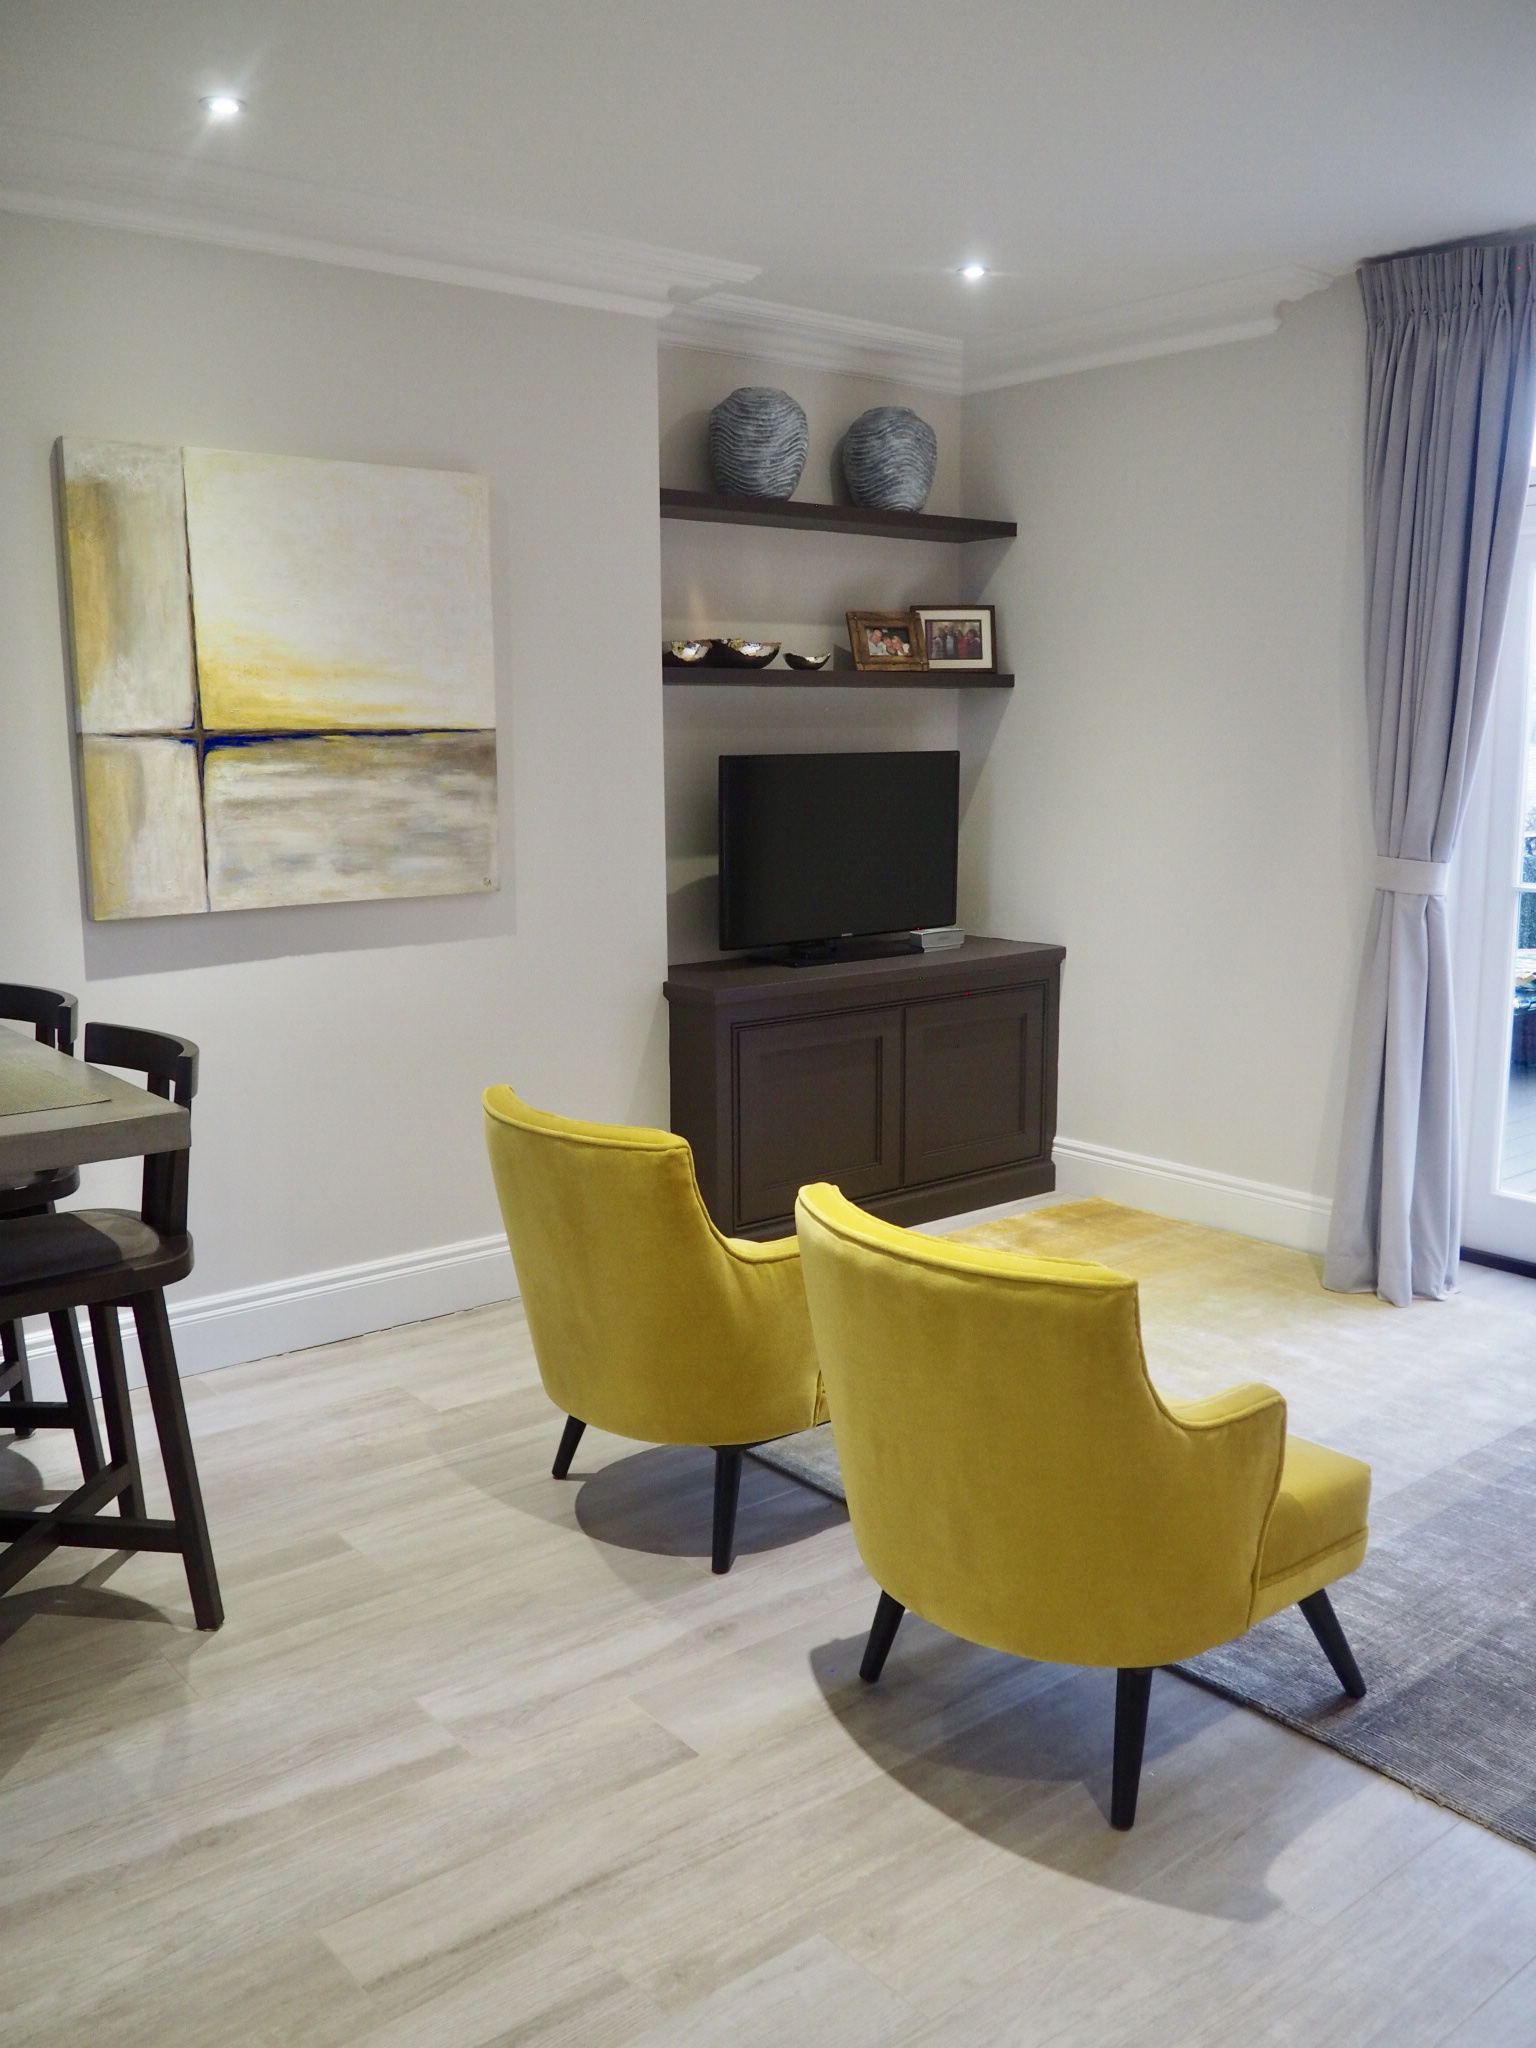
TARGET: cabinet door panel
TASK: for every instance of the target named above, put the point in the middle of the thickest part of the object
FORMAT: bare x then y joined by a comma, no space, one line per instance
974,1082
817,1099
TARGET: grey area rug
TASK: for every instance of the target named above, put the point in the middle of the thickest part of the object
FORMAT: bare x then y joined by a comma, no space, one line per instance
1441,1617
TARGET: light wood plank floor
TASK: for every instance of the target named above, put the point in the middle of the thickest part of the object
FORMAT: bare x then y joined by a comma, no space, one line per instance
483,1758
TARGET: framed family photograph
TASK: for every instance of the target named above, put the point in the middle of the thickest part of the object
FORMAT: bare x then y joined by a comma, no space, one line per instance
956,635
888,640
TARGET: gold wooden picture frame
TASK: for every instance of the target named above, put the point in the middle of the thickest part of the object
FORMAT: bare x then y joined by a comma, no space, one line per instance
886,640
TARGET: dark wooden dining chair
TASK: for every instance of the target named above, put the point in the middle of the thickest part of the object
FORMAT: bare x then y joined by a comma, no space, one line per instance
54,1017
107,1260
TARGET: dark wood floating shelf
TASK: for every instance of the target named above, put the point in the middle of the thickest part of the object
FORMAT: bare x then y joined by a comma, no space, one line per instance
792,512
837,679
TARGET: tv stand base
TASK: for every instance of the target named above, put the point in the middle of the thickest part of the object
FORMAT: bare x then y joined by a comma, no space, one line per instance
823,952
923,1084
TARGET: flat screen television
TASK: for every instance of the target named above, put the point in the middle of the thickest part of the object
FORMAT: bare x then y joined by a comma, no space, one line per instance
821,853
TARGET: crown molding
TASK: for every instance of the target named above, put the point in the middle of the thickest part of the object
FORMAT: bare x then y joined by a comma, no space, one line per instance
1236,309
64,177
732,325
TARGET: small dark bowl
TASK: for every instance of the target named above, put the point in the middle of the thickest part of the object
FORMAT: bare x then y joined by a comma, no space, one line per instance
807,660
745,653
687,653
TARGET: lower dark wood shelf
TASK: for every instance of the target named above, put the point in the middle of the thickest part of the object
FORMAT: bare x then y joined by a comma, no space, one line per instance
839,679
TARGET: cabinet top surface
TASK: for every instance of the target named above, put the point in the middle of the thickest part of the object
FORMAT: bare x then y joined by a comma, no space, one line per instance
728,981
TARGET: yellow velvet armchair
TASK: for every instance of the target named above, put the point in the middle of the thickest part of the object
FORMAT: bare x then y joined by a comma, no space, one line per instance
1013,1475
646,1320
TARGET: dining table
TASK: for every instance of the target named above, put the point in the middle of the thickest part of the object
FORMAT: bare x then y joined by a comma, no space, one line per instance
56,1111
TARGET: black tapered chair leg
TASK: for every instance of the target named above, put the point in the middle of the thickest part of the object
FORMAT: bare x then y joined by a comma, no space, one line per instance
107,1342
1318,1609
882,1634
159,1355
13,1352
727,1492
77,1390
570,1437
1133,1690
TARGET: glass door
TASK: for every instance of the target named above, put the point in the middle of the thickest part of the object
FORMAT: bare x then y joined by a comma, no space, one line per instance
1500,1195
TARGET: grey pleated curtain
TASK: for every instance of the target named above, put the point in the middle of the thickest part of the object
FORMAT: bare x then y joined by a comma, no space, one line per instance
1449,417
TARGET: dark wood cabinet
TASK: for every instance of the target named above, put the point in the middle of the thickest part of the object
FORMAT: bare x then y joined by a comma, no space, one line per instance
921,1085
817,1098
975,1074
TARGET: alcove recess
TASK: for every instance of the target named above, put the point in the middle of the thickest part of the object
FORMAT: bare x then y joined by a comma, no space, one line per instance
790,515
789,570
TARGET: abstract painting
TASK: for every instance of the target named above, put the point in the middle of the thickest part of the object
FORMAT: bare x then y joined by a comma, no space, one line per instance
283,674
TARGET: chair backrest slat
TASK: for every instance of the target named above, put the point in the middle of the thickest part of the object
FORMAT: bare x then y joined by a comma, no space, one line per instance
53,1014
169,1067
168,1064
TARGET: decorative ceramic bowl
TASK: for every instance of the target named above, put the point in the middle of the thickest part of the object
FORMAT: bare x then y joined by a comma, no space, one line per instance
745,653
807,660
687,653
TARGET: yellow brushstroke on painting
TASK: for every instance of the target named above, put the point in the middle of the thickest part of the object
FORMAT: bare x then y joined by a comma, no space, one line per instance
125,555
91,541
143,827
248,684
338,594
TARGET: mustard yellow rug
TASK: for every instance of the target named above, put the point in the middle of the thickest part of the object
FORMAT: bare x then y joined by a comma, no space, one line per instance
1441,1399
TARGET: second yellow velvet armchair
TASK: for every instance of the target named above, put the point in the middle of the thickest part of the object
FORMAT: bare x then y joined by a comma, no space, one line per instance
1014,1476
645,1320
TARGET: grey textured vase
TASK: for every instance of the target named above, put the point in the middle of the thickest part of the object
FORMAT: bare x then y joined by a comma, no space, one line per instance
757,443
889,456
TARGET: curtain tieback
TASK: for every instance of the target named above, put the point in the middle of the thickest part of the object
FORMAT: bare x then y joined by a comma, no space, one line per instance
1413,877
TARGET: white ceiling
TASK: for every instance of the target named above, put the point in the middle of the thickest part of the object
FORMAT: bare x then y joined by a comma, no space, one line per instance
1116,162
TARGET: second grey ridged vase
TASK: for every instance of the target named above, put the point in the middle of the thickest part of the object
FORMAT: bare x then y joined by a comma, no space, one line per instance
889,456
757,442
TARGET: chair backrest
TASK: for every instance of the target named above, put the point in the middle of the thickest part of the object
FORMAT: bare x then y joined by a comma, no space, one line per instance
1011,1472
169,1067
168,1064
643,1322
53,1015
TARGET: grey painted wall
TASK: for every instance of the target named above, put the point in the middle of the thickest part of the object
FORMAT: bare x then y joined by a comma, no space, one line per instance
1177,791
344,1048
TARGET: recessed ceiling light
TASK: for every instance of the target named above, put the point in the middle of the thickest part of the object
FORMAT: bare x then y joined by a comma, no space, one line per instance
221,106
973,273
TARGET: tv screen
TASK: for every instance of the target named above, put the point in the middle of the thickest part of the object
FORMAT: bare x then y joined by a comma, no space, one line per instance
818,847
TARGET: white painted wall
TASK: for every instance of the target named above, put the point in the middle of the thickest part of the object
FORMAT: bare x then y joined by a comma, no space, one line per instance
1177,791
337,1132
793,587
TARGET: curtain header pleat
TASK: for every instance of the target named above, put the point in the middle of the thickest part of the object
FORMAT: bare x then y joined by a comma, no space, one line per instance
1447,286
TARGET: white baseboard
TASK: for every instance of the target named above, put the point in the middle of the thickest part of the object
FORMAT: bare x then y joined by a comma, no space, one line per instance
322,1308
315,1308
1195,1194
